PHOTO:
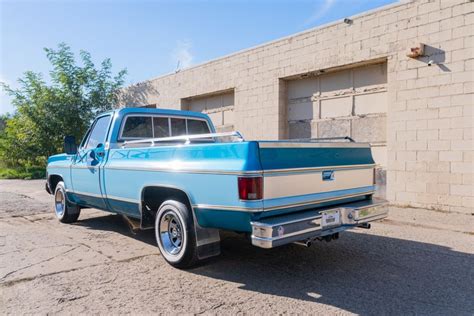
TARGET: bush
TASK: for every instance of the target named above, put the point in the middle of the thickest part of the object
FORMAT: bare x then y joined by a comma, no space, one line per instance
28,174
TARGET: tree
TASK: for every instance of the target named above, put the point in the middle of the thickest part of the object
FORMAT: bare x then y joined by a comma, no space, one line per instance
45,113
3,122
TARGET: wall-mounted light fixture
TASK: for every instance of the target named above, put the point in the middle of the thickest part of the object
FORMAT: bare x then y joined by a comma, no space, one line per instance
417,51
348,21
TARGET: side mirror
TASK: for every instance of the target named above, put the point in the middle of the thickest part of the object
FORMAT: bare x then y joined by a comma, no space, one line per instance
70,146
98,152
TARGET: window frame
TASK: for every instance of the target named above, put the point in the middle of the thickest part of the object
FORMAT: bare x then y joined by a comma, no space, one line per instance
85,141
169,117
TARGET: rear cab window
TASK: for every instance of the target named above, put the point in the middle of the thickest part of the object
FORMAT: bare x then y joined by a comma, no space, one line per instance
197,127
138,126
178,127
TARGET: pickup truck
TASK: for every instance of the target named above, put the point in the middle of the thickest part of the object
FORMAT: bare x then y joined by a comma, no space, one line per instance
169,170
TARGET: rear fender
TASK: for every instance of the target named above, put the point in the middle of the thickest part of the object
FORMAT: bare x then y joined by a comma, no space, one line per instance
207,239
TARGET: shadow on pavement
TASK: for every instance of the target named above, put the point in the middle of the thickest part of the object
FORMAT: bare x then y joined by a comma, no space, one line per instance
359,273
116,223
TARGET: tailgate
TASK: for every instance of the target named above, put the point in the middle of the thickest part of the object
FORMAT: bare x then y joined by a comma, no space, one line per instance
302,175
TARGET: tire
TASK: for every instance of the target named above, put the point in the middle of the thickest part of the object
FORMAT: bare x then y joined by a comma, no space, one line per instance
175,234
65,211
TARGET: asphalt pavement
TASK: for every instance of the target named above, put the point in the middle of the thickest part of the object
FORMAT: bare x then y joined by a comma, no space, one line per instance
415,262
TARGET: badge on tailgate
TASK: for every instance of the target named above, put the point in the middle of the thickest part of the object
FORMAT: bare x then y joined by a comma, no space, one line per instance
328,175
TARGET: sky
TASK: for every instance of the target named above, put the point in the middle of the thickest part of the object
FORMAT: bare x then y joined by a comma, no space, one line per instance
152,38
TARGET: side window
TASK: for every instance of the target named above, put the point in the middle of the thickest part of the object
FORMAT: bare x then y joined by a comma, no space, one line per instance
98,132
197,127
137,127
160,127
178,127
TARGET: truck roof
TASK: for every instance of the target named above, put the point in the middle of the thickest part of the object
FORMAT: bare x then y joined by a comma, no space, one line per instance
124,111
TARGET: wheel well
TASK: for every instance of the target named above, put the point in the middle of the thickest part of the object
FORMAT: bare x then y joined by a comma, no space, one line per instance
153,197
53,180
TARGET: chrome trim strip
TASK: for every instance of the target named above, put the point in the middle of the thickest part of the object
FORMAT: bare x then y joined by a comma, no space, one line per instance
85,193
340,197
296,233
113,197
108,196
310,169
74,166
265,225
269,172
220,172
227,208
289,144
59,167
185,138
265,209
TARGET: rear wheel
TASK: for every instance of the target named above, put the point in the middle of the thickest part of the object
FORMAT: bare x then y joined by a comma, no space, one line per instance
65,211
175,234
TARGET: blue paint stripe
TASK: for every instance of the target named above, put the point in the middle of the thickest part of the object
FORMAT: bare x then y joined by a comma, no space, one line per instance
286,158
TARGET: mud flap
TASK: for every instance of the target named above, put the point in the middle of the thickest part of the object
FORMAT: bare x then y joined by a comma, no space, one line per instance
208,241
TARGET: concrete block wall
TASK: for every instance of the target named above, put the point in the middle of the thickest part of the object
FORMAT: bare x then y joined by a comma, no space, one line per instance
429,113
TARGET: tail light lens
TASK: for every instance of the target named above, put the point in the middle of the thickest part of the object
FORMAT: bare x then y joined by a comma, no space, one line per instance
250,188
374,175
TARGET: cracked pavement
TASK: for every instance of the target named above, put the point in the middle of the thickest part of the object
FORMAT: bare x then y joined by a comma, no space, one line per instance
415,262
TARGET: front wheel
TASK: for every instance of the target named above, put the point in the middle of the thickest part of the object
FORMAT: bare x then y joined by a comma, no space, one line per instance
175,234
65,211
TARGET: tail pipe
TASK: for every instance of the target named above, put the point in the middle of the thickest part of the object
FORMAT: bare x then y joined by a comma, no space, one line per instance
308,242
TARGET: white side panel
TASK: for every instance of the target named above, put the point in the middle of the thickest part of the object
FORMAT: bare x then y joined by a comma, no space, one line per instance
309,183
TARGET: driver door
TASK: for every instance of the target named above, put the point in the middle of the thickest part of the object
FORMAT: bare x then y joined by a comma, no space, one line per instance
86,168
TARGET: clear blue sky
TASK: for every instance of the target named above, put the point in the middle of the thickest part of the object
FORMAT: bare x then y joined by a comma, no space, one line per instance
149,37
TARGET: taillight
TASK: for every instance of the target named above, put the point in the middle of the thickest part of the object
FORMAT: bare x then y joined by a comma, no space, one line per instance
250,188
374,175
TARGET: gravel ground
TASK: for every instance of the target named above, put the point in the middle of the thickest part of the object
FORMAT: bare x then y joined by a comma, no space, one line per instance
415,262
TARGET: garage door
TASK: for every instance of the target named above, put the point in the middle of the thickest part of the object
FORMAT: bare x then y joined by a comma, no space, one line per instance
219,107
351,102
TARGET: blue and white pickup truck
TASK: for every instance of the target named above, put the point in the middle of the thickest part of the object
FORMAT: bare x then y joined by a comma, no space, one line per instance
169,170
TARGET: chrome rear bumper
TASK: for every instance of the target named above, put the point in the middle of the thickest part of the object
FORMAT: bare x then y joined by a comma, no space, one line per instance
280,230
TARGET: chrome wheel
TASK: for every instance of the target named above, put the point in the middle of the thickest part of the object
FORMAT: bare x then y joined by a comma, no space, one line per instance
59,203
171,233
65,211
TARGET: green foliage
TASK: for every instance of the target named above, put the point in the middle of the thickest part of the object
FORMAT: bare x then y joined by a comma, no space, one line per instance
45,113
19,173
3,122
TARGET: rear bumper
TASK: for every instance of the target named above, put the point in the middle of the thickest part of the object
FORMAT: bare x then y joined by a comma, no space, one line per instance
281,230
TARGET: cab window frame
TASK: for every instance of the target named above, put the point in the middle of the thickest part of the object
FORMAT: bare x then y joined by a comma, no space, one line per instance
121,138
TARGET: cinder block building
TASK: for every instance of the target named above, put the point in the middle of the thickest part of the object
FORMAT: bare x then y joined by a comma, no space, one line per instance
354,78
